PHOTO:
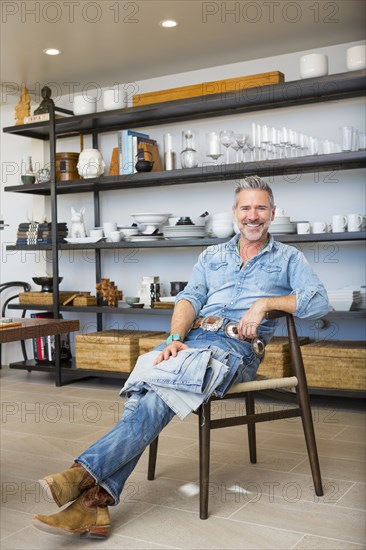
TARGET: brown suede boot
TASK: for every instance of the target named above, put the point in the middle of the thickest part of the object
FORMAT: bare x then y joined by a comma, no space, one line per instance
87,516
68,485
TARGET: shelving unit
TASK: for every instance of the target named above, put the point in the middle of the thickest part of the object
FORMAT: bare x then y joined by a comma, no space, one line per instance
309,91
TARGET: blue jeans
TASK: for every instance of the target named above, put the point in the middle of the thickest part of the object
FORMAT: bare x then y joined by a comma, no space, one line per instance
114,456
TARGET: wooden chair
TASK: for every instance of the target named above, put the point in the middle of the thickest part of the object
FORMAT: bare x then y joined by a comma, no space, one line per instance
247,390
26,288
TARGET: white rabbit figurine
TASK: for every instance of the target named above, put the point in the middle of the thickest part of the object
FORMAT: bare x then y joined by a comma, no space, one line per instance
78,225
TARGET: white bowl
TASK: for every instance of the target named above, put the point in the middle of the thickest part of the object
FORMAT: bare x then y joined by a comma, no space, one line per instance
222,232
313,65
129,231
150,218
84,105
356,58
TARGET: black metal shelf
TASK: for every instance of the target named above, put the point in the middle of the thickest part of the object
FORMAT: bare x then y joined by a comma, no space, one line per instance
203,174
179,243
332,315
70,372
287,94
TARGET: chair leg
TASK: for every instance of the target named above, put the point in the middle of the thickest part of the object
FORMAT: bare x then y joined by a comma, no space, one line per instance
304,403
249,403
153,451
204,418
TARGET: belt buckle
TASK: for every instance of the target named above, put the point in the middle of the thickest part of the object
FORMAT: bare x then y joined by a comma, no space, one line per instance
258,346
212,323
231,330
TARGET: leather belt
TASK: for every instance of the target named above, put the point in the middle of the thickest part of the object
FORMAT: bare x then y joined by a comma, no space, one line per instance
212,323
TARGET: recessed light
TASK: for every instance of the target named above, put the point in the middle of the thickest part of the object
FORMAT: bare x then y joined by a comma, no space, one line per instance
52,51
168,23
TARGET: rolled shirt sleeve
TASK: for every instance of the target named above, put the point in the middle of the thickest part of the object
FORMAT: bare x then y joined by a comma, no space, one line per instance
196,290
311,297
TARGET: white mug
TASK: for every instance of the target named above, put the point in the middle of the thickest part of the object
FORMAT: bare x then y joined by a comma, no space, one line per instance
313,64
109,227
339,223
303,228
354,222
319,227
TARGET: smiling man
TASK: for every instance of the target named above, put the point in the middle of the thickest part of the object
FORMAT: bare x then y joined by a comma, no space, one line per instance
220,315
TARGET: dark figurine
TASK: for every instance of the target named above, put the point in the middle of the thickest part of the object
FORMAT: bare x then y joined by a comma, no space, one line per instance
44,106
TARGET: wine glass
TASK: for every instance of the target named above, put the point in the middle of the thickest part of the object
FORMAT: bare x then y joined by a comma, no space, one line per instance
240,141
226,139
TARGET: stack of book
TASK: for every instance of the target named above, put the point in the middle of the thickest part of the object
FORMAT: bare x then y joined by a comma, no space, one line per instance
44,346
129,142
40,233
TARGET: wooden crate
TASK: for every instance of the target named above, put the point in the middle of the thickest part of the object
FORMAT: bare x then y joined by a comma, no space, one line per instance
340,365
148,343
277,362
109,350
208,88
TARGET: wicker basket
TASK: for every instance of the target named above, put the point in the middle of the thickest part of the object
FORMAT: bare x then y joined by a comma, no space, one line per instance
277,362
334,364
109,350
148,343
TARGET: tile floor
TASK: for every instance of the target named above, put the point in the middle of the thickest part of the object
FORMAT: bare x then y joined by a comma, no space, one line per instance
270,505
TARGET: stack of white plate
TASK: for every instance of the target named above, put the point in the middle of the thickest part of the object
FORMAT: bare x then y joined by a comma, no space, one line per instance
184,232
343,298
282,224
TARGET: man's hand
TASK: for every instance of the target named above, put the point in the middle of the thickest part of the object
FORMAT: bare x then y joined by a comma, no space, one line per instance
171,350
251,320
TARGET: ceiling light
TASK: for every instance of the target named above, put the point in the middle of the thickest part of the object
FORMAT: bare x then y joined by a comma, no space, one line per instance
52,51
168,23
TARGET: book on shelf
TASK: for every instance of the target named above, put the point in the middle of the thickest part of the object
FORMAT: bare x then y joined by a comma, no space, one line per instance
44,346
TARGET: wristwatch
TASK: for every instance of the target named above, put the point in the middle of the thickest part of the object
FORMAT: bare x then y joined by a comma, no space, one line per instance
173,338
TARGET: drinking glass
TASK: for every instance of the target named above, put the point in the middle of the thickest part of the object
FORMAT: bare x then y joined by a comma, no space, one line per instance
226,139
213,146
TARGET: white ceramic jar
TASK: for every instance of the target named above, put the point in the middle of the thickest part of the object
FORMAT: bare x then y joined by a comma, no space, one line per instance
313,65
90,163
84,105
114,99
356,58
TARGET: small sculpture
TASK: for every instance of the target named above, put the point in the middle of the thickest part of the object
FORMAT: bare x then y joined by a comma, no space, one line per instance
78,225
90,163
23,107
108,292
44,106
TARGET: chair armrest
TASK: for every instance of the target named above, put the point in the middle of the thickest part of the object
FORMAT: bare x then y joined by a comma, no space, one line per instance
276,313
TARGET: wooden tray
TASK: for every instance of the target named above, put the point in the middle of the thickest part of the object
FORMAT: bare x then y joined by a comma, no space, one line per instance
208,88
44,298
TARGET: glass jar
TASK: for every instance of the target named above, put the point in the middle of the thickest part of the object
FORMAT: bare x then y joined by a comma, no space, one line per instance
189,155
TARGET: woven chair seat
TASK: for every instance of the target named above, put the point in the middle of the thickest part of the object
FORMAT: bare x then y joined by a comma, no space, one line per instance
263,383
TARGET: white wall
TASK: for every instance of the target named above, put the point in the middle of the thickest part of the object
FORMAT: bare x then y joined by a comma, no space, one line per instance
305,198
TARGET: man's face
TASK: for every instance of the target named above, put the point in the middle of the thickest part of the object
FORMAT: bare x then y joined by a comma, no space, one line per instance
253,214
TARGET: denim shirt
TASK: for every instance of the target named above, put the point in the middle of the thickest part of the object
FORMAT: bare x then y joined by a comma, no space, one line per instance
220,286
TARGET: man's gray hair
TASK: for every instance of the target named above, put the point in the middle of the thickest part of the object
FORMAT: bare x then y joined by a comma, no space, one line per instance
254,182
